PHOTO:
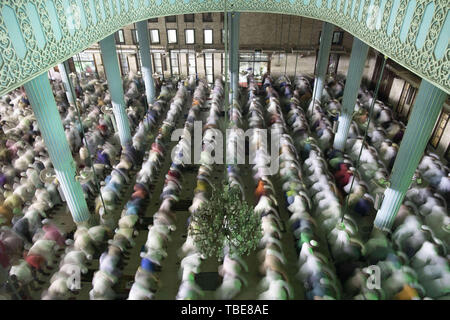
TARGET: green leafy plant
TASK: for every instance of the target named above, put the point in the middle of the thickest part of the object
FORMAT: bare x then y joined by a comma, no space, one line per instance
225,220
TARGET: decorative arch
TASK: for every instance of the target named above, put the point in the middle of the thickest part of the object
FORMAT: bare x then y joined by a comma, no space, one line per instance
415,35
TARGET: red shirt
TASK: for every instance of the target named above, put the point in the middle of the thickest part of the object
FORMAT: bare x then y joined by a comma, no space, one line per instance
342,176
174,174
35,261
52,233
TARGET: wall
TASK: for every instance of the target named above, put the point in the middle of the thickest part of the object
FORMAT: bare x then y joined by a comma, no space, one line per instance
267,32
272,34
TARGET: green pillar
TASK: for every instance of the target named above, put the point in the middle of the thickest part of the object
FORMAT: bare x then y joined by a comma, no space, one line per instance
424,114
144,50
234,54
48,118
68,86
322,60
352,83
111,65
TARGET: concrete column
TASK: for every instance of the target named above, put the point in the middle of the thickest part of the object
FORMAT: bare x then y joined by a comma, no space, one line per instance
322,59
352,83
48,118
146,63
424,115
234,54
111,64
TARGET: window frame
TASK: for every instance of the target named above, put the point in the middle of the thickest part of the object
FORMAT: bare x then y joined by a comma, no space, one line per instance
256,59
166,18
189,21
151,38
207,14
117,37
185,37
438,126
188,63
171,59
204,36
134,36
212,65
341,38
155,68
123,63
138,60
84,58
176,36
153,20
338,43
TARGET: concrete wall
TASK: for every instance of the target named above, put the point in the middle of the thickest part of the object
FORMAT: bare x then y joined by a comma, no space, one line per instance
257,30
267,32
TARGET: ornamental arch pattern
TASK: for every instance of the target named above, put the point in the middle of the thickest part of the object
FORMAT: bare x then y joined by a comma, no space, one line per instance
79,24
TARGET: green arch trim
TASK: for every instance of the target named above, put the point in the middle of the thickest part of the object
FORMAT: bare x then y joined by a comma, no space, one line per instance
16,71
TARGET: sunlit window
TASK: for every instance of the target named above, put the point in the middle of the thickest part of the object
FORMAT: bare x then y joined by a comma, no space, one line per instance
207,36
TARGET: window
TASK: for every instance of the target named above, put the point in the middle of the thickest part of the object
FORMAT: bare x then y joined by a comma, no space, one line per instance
256,63
154,36
409,96
333,63
207,17
189,35
133,63
84,62
222,15
189,18
153,20
138,59
157,63
171,35
209,67
337,37
123,64
439,129
174,63
207,36
134,36
223,36
120,38
192,64
171,19
406,101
